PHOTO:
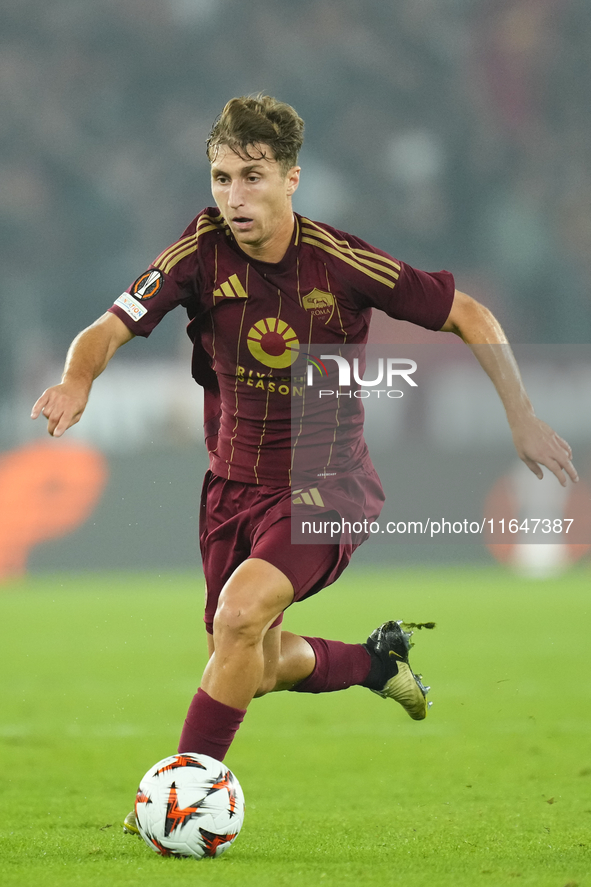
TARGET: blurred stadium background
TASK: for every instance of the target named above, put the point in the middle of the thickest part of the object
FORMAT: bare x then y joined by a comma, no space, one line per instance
452,133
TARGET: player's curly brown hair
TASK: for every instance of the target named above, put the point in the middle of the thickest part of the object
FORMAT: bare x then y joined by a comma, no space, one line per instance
258,120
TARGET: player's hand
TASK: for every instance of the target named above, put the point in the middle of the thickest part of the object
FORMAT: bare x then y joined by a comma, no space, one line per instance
62,406
537,444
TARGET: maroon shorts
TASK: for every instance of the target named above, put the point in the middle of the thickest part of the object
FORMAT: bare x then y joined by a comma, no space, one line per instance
239,520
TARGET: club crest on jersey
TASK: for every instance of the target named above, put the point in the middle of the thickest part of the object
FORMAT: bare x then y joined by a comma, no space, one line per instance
319,303
273,343
147,285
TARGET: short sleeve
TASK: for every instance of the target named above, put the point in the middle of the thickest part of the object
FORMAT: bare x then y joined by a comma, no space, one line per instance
143,305
374,279
421,297
172,279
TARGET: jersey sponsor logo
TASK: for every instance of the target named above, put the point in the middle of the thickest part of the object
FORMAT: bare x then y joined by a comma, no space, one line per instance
230,289
293,385
147,285
273,343
131,306
319,303
307,497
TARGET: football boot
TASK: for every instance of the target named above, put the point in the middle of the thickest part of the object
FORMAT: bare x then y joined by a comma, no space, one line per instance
391,676
130,824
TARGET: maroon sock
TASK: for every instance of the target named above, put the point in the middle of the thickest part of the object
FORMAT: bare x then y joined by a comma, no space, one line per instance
210,726
338,666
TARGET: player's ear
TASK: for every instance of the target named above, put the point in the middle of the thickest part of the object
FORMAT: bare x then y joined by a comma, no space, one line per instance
292,179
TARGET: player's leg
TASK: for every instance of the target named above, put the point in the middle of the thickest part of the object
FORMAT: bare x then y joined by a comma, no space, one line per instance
249,658
240,615
251,600
389,673
256,593
317,665
380,664
288,659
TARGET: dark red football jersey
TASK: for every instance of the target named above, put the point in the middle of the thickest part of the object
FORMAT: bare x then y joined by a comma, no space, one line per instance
250,320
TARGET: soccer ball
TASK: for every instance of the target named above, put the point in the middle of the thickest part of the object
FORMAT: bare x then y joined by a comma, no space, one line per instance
189,805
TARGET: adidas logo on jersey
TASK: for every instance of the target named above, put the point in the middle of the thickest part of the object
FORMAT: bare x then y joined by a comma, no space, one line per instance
230,289
307,497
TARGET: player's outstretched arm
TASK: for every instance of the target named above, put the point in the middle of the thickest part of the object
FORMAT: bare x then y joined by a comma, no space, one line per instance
536,443
88,355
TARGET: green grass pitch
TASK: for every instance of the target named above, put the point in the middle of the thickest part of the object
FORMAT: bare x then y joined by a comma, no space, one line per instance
493,789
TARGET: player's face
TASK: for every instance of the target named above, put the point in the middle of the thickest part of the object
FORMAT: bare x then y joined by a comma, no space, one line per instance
254,196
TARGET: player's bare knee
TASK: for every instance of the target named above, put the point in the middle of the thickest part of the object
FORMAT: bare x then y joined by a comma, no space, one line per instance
238,623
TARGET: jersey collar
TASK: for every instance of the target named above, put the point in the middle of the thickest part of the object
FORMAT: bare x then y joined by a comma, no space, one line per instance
289,258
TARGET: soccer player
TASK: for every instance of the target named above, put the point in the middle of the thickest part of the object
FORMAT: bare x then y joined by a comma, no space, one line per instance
261,284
